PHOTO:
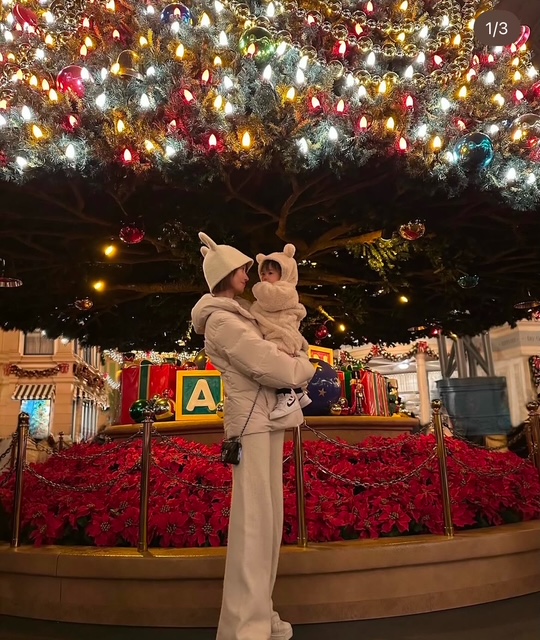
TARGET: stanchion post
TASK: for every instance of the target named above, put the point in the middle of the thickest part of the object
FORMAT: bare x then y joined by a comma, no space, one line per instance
146,457
443,469
533,433
61,441
300,495
23,423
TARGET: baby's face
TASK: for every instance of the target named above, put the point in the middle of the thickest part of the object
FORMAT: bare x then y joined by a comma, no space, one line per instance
270,275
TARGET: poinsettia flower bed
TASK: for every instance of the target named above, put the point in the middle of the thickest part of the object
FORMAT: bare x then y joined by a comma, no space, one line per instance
89,495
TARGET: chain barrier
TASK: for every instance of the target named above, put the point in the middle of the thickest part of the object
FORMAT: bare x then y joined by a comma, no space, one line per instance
6,477
170,442
90,488
357,447
485,474
195,485
7,451
94,456
374,485
473,445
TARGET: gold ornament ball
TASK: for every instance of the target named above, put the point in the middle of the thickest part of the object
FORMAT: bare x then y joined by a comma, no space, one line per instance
220,410
335,409
343,402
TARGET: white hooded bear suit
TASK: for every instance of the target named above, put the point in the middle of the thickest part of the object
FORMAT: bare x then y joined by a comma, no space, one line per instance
277,308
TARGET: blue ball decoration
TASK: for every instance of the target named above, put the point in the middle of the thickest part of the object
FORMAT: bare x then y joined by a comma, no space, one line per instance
324,389
176,12
474,151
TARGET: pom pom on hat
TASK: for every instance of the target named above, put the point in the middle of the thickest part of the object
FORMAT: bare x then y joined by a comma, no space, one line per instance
220,260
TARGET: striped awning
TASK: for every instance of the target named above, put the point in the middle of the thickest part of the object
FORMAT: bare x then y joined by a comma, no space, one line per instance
34,392
80,393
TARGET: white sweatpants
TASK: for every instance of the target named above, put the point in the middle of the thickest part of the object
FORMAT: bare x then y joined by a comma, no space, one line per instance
255,533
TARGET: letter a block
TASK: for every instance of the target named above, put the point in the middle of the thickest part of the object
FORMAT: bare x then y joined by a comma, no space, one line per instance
197,393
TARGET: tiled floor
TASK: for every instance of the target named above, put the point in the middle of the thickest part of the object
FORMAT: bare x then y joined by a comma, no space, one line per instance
517,619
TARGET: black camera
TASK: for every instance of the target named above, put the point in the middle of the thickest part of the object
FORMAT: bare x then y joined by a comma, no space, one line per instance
231,451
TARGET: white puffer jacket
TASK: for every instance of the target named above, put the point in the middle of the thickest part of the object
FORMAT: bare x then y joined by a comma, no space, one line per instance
236,347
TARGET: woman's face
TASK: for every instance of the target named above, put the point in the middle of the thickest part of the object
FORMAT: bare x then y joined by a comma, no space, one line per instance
239,280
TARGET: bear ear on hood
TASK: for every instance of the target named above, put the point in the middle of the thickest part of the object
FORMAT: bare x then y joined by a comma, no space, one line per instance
260,258
204,251
289,250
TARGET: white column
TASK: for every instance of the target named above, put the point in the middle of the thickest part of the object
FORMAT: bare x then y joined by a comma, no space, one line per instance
423,388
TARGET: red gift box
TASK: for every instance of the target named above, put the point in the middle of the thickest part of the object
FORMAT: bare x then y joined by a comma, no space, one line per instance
142,382
375,389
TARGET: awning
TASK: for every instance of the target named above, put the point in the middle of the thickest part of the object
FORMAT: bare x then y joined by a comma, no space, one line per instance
80,393
34,392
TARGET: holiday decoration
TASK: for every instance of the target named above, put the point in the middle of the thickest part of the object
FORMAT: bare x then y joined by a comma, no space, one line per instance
257,42
25,17
163,409
348,362
136,410
321,332
20,372
525,130
176,12
324,389
143,381
412,230
84,304
91,378
474,151
71,78
335,409
131,233
5,281
201,360
127,64
220,411
468,281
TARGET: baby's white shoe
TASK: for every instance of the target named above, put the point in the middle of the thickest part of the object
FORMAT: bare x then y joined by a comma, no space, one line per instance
286,403
303,399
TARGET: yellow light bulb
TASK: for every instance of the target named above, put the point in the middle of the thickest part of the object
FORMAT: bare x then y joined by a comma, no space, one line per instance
218,102
341,327
518,134
401,37
515,62
383,87
83,50
517,76
436,143
88,42
217,61
111,6
115,68
143,41
109,250
390,123
205,20
246,140
120,126
498,99
404,5
149,145
463,92
180,51
53,96
45,85
291,93
457,40
49,39
403,299
36,131
33,82
99,285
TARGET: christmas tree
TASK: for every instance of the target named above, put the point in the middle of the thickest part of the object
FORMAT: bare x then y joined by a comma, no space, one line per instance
333,125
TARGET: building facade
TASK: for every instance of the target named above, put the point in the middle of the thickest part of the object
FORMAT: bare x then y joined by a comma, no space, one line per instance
59,383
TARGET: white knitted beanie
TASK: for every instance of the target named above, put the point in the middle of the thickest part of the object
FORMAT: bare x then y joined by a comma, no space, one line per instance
220,260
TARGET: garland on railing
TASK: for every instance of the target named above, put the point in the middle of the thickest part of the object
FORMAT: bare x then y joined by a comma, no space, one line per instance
379,351
15,370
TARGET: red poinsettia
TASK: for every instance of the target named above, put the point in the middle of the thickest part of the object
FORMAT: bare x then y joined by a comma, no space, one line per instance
381,487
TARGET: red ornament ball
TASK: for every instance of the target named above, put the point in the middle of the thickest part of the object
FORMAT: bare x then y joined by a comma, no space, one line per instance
412,230
71,79
321,332
25,16
131,233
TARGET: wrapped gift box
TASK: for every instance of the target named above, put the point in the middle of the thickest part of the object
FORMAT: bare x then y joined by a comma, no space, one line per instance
375,389
142,382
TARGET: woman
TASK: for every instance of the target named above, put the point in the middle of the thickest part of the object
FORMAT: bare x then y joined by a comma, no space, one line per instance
252,369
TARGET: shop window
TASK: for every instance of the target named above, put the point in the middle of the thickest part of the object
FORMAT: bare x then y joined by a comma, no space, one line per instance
36,343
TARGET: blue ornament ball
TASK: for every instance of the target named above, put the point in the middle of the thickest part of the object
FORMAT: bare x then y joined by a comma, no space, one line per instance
176,12
324,389
474,151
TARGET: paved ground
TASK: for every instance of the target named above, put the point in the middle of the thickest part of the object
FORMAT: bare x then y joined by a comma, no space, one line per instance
516,619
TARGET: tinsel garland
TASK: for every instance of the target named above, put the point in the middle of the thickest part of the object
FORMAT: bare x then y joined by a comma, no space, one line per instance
15,370
378,351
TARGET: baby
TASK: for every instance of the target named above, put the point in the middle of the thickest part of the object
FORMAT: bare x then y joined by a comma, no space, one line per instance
278,312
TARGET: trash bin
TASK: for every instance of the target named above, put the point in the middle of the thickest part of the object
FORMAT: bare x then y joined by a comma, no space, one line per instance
476,406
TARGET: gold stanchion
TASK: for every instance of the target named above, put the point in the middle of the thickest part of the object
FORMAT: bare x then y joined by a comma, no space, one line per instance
300,496
13,454
443,471
61,441
23,423
533,433
146,456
